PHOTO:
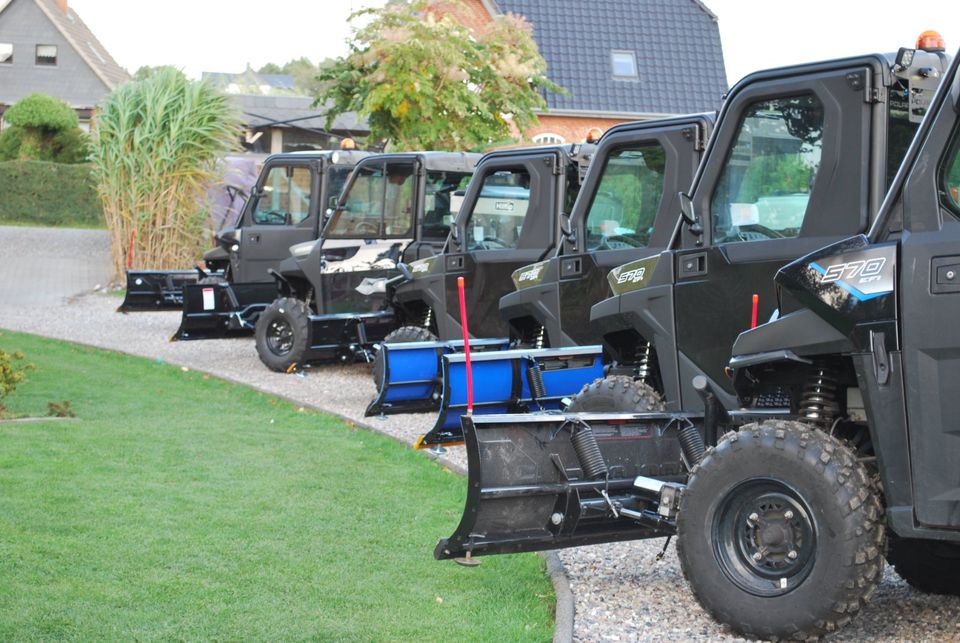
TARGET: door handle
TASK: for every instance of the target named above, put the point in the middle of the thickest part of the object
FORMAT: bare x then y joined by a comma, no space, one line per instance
692,265
944,275
254,238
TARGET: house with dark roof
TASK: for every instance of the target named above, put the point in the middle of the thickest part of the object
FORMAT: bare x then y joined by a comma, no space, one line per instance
620,60
46,47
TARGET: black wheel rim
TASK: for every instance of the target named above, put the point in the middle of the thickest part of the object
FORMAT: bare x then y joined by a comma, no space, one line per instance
764,537
279,336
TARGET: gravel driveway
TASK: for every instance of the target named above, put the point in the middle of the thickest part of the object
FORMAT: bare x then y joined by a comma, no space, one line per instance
621,592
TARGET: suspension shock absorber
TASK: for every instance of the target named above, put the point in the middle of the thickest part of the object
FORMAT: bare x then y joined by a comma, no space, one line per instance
819,401
428,318
645,362
539,339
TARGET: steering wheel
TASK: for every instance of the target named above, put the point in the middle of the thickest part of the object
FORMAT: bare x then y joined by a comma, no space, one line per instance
757,232
619,242
366,228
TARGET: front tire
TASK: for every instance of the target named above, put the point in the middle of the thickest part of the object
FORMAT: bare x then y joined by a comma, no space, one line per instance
401,335
282,334
616,394
780,532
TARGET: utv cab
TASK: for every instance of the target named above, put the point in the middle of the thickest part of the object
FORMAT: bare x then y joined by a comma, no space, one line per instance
332,294
285,207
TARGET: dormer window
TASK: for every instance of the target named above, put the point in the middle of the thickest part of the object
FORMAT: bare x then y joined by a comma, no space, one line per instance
624,64
6,53
46,54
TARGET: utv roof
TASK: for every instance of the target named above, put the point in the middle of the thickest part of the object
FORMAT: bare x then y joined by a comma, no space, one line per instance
576,152
339,157
450,161
706,118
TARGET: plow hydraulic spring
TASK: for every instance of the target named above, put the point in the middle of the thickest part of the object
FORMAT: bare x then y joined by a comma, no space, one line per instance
588,451
535,377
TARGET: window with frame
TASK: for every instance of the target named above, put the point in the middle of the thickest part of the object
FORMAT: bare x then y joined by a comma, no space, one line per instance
377,204
46,55
548,138
623,64
767,179
625,204
499,211
284,197
6,53
440,205
950,178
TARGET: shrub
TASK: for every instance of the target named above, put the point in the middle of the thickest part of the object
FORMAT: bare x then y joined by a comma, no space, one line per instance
49,194
12,372
43,128
157,141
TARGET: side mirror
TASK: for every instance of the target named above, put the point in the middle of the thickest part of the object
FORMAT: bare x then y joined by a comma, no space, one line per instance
689,214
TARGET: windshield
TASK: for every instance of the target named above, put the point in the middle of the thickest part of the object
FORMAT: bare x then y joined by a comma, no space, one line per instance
377,205
626,201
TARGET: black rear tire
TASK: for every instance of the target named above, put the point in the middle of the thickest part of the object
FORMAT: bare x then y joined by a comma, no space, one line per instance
399,336
282,334
930,566
780,532
616,394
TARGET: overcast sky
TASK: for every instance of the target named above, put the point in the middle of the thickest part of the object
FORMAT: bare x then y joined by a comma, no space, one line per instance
225,35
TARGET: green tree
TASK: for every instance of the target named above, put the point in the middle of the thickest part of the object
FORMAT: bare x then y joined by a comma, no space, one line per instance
43,128
773,175
304,74
157,141
424,80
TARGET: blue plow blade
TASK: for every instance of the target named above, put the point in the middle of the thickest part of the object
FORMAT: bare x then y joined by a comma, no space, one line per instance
514,381
411,374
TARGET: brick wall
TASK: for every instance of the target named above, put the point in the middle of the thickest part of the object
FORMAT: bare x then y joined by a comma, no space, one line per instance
573,129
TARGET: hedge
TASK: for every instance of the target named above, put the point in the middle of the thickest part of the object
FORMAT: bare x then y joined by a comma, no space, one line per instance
46,193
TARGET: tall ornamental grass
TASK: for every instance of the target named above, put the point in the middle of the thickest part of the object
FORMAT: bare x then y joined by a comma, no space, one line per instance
155,150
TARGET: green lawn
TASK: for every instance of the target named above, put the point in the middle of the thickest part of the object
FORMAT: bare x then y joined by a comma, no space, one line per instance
182,507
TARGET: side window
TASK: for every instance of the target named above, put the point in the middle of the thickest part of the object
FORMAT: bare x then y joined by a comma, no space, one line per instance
626,201
497,217
441,205
766,183
951,178
284,197
336,179
362,208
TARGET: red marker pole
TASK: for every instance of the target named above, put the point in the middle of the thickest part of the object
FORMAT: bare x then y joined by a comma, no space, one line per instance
753,313
466,344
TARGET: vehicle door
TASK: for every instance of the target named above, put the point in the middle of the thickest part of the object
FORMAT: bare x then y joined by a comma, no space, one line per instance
508,220
441,198
631,214
376,219
788,171
930,310
280,214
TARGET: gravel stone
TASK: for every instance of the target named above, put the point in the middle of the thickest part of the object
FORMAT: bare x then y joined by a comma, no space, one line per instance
621,592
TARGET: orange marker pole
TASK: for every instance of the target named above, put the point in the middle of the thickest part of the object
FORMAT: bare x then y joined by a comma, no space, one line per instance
466,344
753,313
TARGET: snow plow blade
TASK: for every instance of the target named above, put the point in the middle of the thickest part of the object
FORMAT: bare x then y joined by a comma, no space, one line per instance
529,488
411,377
216,311
346,337
156,289
515,381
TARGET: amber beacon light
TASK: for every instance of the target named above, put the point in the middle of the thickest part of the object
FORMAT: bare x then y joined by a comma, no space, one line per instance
931,41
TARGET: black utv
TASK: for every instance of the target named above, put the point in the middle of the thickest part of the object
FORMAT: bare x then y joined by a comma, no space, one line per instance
285,207
332,294
620,469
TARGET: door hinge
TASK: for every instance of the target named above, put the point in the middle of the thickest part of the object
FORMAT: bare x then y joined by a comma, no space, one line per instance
694,135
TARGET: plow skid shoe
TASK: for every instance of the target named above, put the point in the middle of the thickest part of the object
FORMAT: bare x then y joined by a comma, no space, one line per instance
156,289
347,336
412,372
217,311
528,490
507,382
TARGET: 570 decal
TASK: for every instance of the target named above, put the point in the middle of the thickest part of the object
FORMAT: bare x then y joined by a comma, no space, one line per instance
860,272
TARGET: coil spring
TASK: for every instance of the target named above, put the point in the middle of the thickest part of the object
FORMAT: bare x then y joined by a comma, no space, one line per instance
539,340
427,319
819,401
535,377
692,444
644,362
588,451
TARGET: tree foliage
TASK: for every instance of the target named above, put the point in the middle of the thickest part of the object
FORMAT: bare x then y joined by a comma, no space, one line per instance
425,81
775,175
43,128
304,74
155,153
